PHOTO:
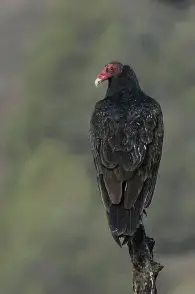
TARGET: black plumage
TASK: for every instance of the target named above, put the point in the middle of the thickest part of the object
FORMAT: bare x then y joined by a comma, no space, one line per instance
126,135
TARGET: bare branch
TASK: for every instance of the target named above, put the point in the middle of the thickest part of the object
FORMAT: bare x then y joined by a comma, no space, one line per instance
145,269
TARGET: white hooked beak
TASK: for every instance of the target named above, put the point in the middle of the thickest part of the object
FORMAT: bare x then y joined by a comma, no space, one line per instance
98,81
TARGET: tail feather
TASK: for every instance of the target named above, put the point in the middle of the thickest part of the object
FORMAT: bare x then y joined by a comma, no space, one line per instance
123,222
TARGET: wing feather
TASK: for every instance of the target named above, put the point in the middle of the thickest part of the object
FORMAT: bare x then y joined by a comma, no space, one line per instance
127,157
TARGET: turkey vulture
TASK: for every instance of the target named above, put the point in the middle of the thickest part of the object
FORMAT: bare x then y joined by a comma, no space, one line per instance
126,137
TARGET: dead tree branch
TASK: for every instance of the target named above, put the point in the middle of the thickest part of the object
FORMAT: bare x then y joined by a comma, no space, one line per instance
145,269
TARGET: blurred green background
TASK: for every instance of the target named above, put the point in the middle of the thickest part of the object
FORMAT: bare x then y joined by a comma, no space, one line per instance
54,237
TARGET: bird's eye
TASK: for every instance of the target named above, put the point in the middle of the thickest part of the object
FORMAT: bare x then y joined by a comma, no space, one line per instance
110,69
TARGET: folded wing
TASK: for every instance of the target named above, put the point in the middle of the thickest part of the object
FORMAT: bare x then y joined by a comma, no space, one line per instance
127,156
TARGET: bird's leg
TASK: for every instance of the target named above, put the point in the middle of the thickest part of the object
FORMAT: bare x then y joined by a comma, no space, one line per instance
145,269
144,212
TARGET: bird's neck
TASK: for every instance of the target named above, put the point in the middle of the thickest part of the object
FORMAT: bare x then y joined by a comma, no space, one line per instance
122,84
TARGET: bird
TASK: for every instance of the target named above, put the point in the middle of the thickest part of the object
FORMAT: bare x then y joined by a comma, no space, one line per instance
126,138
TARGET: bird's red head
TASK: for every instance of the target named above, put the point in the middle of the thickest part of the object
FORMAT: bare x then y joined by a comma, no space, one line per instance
110,70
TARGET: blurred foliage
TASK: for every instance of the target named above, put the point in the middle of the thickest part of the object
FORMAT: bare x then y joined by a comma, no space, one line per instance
54,235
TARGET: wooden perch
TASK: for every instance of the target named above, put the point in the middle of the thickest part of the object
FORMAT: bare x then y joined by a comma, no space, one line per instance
145,269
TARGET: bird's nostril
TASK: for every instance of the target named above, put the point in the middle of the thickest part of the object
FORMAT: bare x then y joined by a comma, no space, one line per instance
97,82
